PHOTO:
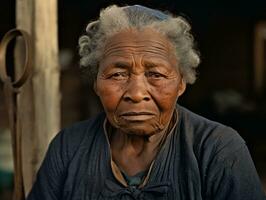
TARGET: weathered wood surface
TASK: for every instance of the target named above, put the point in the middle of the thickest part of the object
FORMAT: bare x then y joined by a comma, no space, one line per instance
39,100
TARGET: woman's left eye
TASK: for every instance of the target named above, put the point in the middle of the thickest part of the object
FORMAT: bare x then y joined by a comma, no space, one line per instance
155,75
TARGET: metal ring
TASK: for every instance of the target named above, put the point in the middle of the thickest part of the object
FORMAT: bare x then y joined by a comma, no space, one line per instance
10,35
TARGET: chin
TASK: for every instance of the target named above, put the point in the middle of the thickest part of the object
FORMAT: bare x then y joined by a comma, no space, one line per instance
139,130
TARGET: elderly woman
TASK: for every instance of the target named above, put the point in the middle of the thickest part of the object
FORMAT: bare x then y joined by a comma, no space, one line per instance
144,146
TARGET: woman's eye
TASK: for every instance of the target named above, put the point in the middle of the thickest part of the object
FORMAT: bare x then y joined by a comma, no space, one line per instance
155,75
119,75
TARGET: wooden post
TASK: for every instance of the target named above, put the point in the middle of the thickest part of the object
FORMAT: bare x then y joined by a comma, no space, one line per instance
259,58
39,100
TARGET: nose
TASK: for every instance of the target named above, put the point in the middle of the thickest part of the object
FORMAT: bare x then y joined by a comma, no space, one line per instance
137,90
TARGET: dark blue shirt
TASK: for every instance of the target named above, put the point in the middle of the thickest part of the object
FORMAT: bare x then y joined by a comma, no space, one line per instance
200,160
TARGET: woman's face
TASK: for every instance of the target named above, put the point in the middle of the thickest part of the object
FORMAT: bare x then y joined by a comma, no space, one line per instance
138,81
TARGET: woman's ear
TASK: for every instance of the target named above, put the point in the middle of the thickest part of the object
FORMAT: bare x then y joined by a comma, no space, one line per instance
181,87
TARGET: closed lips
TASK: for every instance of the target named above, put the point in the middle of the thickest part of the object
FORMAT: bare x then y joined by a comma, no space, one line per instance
136,113
137,116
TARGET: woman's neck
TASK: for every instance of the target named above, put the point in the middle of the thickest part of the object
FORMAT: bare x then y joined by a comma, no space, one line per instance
134,153
136,145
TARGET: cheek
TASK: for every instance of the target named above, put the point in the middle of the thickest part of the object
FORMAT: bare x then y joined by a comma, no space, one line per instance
109,94
166,95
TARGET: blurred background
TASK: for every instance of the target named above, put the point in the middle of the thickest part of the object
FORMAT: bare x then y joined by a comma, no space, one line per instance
226,91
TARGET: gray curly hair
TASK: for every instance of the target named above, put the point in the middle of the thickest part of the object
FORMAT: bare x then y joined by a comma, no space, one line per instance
114,19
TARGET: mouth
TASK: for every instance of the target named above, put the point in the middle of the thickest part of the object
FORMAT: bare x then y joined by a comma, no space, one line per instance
137,116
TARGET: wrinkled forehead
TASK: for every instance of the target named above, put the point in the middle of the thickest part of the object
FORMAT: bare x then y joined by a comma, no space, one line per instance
145,41
144,46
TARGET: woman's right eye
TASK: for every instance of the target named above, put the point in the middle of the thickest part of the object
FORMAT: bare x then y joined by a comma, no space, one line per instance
119,75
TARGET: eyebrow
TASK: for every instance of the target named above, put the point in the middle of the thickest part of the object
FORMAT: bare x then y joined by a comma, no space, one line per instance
121,64
126,65
150,64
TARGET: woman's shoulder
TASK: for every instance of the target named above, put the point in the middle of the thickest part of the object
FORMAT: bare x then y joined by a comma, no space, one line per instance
203,133
71,138
222,159
79,130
